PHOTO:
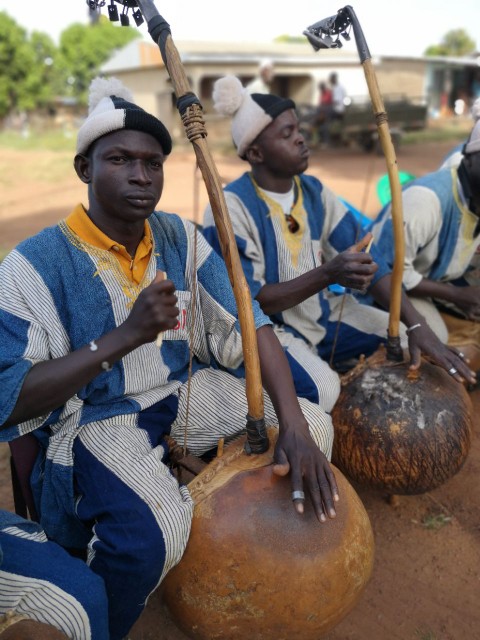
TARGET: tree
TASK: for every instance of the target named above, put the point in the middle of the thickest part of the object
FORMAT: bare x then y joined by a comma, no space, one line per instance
456,42
46,82
16,61
84,48
35,70
31,75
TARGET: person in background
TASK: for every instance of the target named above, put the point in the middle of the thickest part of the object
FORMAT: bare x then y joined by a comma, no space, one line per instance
296,238
324,111
325,96
338,97
45,593
117,326
263,82
330,130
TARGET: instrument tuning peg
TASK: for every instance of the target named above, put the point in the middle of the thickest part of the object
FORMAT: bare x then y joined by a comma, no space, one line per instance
113,12
137,16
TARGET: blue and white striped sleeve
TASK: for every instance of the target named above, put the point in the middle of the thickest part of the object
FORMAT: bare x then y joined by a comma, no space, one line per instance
23,340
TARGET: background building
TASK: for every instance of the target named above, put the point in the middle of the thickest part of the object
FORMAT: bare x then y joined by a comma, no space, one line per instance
435,81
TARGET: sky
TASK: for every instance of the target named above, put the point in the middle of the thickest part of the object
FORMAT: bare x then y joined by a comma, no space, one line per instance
397,27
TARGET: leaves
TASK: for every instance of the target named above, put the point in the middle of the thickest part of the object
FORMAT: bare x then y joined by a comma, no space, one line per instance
456,42
35,71
83,49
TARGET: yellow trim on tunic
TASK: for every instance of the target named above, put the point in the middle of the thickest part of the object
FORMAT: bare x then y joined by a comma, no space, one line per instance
293,241
134,269
469,219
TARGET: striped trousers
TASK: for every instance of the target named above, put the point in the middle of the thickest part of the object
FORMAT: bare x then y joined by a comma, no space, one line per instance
139,515
39,580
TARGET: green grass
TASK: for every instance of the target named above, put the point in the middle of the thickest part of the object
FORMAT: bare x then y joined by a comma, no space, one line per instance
56,140
49,140
43,157
435,521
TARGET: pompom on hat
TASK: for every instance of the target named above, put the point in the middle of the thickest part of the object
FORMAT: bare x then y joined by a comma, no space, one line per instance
111,108
250,113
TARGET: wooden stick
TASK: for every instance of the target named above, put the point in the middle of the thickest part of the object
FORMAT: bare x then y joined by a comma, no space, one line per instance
192,117
397,206
161,275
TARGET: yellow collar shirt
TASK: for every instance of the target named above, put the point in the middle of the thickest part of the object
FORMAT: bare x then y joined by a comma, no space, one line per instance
133,268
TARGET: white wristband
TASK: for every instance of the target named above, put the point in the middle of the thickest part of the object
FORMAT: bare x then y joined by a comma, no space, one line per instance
414,326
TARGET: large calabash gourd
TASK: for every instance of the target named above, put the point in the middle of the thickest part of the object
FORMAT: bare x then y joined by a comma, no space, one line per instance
403,432
253,568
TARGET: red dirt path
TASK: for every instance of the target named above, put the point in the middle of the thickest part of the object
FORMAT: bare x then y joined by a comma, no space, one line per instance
426,579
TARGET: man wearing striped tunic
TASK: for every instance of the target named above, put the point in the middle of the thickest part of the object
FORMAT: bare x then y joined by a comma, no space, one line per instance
295,239
442,238
97,315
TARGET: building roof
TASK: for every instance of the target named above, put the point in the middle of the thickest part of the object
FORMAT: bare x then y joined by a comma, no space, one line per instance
135,55
140,54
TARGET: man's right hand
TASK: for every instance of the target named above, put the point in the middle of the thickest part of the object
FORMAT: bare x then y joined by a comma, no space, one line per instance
468,300
353,268
49,384
155,310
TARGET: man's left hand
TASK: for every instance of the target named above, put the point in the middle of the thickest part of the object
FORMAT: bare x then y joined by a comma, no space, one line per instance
423,340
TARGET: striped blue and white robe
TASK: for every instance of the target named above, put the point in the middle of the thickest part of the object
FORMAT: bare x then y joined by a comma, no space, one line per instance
104,482
271,254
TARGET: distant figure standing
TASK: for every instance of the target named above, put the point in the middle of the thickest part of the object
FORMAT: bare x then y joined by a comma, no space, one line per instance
324,111
338,97
326,97
262,83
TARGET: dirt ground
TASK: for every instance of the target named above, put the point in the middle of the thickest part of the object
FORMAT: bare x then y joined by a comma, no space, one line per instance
426,579
38,188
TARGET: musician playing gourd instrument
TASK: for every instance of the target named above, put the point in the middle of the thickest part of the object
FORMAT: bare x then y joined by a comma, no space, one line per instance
81,306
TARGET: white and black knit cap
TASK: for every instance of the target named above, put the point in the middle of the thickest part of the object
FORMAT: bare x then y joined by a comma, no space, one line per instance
251,113
473,142
111,108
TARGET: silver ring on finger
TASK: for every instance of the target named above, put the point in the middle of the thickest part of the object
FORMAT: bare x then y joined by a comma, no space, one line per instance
452,371
298,495
461,355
